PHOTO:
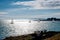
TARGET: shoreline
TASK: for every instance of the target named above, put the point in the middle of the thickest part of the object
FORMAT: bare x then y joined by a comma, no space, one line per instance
41,35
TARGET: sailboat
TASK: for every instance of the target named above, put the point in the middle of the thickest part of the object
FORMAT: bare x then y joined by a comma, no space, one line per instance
12,21
30,21
39,20
53,20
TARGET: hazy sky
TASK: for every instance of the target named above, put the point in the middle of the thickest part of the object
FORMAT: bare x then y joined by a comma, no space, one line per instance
29,8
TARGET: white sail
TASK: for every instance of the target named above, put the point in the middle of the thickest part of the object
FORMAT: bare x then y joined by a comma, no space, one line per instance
12,21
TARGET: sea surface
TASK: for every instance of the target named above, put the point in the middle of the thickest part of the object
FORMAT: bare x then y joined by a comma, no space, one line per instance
23,27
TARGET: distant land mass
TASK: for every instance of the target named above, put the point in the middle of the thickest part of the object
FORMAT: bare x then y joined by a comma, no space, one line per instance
50,19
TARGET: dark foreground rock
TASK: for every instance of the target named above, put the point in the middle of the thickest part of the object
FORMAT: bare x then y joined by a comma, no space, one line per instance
39,35
55,37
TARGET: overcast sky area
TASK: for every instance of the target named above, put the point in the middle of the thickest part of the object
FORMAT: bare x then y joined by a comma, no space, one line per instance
29,8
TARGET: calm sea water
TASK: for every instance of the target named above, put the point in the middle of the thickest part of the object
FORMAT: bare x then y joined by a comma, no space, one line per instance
22,27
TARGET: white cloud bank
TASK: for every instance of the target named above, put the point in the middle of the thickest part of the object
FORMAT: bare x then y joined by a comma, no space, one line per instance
40,4
57,15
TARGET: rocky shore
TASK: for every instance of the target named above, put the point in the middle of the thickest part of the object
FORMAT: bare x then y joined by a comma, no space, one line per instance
37,35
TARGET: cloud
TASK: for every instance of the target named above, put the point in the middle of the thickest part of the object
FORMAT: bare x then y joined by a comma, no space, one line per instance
32,16
3,13
18,13
56,15
35,16
52,3
32,4
53,15
39,4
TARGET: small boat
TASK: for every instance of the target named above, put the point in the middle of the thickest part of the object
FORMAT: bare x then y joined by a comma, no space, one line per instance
12,21
53,20
30,21
38,20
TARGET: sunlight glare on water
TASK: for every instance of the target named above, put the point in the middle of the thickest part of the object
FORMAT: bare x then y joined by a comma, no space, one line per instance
23,27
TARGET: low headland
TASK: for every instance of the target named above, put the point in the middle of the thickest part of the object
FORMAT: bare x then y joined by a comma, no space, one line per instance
50,19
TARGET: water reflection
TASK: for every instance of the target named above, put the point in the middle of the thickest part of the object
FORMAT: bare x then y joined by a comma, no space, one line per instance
21,27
